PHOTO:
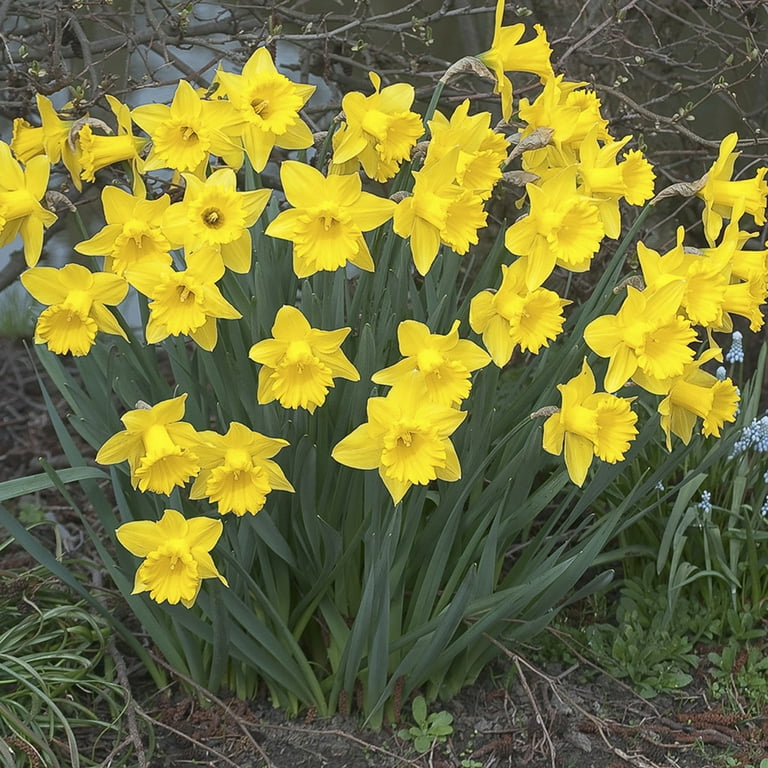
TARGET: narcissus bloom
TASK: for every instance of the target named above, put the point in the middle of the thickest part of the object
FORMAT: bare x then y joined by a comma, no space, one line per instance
157,445
406,437
267,104
182,302
214,218
482,151
438,211
379,130
176,554
720,194
52,138
515,316
236,469
444,362
606,181
589,424
187,132
694,395
20,208
508,54
132,235
300,363
562,228
77,302
646,333
97,152
328,218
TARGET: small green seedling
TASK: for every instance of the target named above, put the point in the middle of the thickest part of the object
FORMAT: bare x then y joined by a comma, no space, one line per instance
429,729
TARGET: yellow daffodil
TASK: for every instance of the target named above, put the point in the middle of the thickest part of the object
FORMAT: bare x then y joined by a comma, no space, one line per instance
187,132
267,104
606,182
406,437
695,394
646,334
438,211
720,194
300,363
176,554
570,113
482,151
77,302
20,208
52,138
444,362
508,54
328,218
97,152
157,445
562,228
378,131
184,302
132,236
705,278
745,298
214,218
515,316
589,424
236,469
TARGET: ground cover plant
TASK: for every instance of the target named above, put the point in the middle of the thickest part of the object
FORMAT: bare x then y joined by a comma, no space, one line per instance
351,447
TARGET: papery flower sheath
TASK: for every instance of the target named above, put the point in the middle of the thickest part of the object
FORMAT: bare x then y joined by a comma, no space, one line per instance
176,554
77,302
157,445
589,424
237,472
328,218
406,437
300,363
444,362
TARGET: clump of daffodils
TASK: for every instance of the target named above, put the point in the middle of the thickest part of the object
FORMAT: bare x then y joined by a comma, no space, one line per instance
181,258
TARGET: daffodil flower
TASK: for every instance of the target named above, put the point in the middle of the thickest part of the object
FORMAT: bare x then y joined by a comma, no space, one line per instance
693,395
183,302
482,151
508,54
77,302
562,228
328,218
444,362
438,211
187,132
97,152
515,316
237,472
406,438
214,219
646,333
267,104
378,131
300,363
176,554
132,236
589,424
157,445
720,194
20,208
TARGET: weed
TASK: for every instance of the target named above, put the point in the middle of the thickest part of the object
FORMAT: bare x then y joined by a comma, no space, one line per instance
429,729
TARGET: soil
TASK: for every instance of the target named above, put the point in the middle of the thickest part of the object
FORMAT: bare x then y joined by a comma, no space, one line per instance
520,714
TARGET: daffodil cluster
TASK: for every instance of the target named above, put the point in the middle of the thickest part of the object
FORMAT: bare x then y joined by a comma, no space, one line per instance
186,239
